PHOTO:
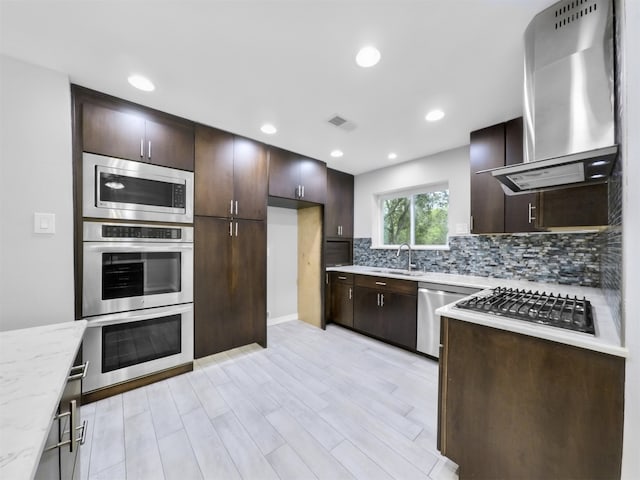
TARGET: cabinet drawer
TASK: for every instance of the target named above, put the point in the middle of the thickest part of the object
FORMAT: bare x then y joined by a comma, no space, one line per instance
340,277
408,287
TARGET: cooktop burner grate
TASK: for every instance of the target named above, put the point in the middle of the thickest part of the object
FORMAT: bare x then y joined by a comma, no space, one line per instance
548,309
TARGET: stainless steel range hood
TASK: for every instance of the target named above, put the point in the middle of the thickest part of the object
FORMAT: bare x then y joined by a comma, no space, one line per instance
569,128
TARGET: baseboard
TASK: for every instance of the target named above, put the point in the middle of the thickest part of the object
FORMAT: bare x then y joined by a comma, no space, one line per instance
282,319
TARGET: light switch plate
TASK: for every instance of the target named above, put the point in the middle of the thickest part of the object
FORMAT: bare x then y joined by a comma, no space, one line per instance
44,223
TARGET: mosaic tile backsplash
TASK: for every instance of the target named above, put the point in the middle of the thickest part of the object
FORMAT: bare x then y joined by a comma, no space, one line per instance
564,258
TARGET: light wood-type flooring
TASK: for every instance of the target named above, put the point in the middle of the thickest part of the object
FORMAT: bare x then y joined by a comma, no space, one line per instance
316,404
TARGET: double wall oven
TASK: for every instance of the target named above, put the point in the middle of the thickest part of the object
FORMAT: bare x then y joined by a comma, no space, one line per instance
137,276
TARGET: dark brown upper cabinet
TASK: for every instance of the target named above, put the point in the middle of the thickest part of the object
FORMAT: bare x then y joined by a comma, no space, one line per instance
230,175
295,177
137,136
338,210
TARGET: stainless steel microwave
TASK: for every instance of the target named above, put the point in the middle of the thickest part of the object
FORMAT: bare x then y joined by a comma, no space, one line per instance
123,189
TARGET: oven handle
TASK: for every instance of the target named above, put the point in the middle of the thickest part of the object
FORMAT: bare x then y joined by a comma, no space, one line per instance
135,247
137,315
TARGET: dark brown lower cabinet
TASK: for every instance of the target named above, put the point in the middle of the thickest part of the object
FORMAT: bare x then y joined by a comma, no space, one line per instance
386,309
341,298
514,406
230,284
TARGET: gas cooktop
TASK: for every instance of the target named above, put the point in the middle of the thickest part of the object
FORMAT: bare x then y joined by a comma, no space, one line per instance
547,309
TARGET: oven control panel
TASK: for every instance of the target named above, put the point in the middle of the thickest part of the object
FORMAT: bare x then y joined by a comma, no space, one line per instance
135,232
128,231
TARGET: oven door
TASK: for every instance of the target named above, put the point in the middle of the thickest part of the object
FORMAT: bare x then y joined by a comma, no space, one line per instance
129,345
123,189
121,276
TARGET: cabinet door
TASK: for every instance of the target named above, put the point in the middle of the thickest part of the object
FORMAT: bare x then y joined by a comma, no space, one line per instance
519,210
367,312
338,212
110,132
169,144
342,304
213,172
399,318
284,174
573,207
248,282
214,319
313,178
250,179
487,197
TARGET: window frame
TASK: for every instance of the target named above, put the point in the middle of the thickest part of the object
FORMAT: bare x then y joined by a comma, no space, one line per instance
377,240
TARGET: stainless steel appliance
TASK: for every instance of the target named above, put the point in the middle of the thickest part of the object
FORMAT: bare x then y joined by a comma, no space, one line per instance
557,311
134,266
122,189
569,125
430,297
128,345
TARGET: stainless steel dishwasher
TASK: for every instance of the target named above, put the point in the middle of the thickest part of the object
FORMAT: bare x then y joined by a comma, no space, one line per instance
430,297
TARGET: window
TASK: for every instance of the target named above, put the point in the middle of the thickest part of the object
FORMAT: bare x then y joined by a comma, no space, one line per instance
418,217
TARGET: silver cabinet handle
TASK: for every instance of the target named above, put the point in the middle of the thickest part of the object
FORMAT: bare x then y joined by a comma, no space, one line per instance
236,229
340,277
531,217
326,278
72,414
302,191
381,283
149,152
382,299
231,229
231,207
82,372
83,434
378,298
350,293
236,207
141,148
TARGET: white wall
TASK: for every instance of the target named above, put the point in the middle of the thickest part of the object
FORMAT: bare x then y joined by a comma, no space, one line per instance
451,166
631,235
36,271
282,264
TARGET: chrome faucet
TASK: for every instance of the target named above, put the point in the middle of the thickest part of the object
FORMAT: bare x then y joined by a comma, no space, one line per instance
409,264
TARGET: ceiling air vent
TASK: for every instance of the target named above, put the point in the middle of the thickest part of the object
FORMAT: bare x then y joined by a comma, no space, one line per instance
574,11
342,123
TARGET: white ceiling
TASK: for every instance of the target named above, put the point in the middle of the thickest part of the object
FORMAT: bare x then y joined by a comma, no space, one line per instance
237,64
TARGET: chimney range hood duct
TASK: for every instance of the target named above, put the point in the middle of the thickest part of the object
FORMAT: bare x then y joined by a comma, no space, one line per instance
569,123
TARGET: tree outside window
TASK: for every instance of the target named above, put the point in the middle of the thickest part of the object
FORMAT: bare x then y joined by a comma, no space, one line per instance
417,218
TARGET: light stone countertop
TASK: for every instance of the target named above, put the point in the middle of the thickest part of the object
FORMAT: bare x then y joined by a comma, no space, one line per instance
606,339
34,366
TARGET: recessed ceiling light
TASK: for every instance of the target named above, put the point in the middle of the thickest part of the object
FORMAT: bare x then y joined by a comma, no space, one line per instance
368,56
392,156
337,153
268,129
434,115
141,83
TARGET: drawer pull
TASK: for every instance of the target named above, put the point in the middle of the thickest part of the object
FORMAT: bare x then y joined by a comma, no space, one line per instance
381,283
341,277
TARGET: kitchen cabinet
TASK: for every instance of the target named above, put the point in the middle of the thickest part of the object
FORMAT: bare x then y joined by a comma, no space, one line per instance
60,459
295,177
514,406
338,209
230,175
386,308
137,136
491,210
572,207
341,298
230,284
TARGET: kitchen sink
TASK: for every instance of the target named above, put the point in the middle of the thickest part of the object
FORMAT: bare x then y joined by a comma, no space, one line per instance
397,271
